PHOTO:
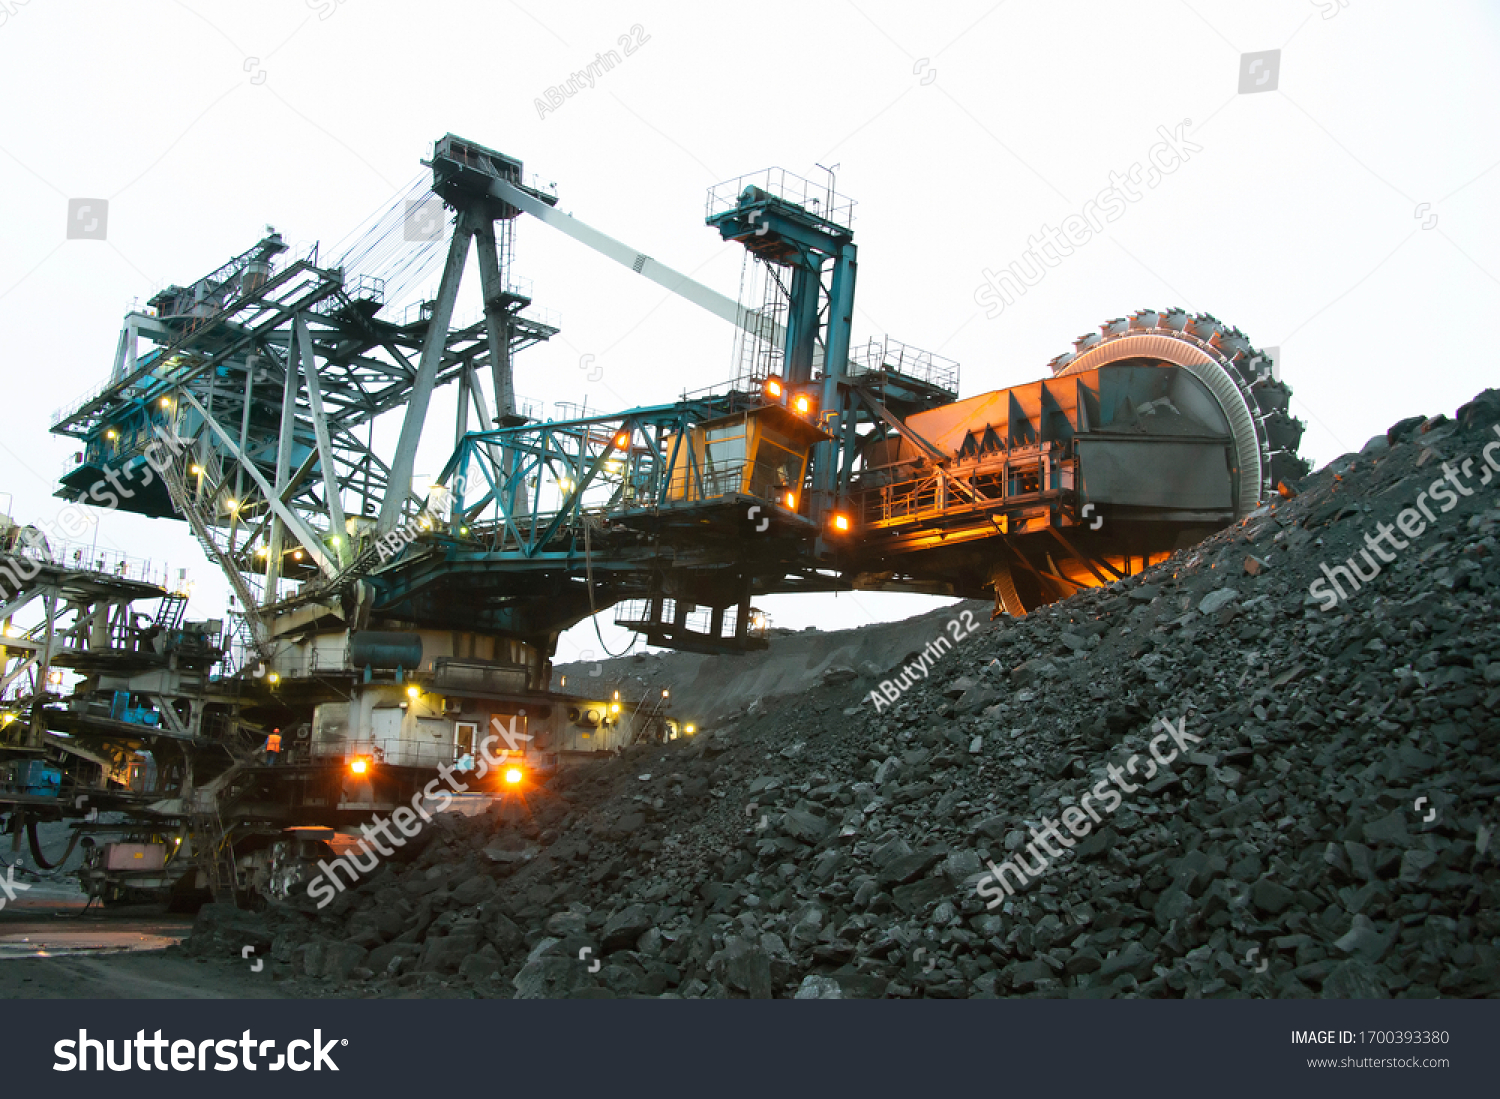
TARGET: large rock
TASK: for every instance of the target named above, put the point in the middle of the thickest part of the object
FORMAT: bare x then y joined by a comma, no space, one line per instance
805,826
445,955
565,925
747,967
815,987
474,890
307,959
1217,600
341,959
626,926
1364,940
1356,979
1271,897
550,977
392,958
1389,829
483,965
503,932
1032,671
915,897
908,868
1132,958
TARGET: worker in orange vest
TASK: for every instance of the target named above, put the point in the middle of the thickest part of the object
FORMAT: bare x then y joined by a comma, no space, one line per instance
273,747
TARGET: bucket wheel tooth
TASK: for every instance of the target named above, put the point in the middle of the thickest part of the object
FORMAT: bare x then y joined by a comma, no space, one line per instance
1007,599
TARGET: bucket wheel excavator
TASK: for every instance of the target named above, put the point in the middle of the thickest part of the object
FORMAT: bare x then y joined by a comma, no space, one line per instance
380,627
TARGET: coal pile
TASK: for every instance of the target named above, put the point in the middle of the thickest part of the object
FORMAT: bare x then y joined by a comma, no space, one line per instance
1326,827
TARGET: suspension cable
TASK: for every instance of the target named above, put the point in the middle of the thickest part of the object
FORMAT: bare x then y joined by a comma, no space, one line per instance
588,565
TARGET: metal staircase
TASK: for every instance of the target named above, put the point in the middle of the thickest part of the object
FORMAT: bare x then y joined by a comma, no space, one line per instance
169,614
187,499
212,850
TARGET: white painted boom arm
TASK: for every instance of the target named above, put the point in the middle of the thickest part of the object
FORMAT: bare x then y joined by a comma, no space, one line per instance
642,264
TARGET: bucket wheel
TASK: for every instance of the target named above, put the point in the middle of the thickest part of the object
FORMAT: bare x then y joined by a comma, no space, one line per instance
1242,380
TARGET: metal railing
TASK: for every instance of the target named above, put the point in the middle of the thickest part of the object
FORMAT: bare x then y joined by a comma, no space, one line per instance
356,288
818,199
531,407
234,296
720,479
892,356
992,484
540,314
15,542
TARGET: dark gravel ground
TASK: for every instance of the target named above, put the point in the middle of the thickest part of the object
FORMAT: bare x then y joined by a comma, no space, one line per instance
1324,827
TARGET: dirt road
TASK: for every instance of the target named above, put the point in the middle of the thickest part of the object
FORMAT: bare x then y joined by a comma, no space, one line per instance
54,947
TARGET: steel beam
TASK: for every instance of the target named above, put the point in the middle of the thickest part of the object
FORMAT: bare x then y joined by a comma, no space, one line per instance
320,429
496,321
399,484
289,518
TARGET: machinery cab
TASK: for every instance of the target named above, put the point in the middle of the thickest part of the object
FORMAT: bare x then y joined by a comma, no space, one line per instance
760,453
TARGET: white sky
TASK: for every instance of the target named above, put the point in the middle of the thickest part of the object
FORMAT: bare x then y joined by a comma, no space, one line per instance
1301,220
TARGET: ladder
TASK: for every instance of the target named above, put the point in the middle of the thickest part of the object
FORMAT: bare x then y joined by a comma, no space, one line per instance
211,849
169,614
